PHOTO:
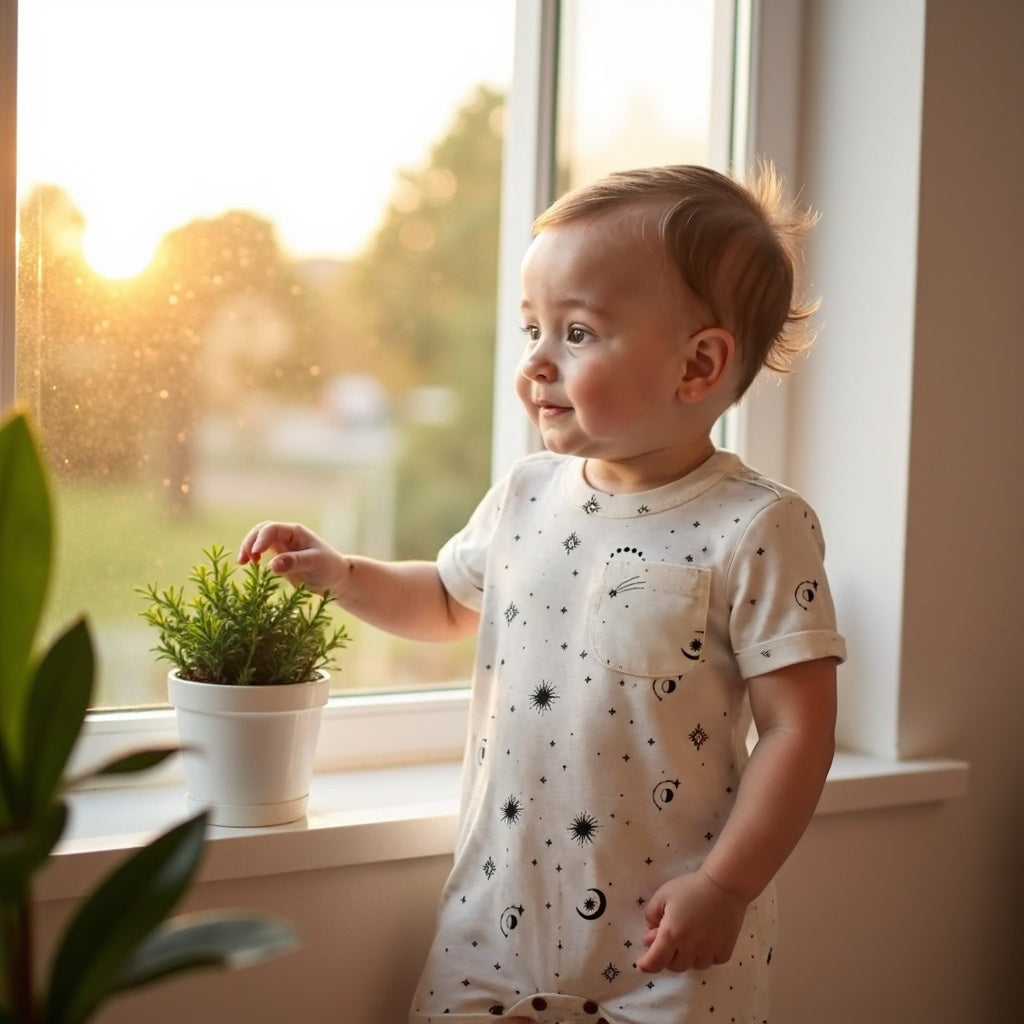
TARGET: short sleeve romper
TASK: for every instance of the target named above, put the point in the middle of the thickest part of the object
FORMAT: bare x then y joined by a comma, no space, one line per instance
608,733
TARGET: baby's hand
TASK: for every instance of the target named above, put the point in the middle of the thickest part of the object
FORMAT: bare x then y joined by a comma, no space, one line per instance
299,555
691,922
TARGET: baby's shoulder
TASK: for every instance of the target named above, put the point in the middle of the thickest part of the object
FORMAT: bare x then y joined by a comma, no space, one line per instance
747,492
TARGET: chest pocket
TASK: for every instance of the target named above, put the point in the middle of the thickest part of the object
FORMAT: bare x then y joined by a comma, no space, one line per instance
649,618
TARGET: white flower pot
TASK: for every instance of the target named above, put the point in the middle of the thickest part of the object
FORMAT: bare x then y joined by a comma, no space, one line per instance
249,750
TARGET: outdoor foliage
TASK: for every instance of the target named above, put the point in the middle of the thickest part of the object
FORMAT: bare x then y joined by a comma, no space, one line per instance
257,633
119,937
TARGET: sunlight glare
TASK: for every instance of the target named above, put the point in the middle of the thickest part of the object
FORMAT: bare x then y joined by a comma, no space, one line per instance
118,253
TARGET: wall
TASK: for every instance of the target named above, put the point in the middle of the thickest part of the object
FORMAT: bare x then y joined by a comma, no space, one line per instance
903,915
913,915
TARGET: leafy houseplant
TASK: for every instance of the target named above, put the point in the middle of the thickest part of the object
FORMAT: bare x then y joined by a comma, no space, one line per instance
120,936
249,684
257,633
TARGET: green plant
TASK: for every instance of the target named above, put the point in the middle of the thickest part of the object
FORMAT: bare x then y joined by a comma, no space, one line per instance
120,936
257,633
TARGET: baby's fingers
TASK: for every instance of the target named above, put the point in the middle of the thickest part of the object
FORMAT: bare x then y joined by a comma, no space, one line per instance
268,536
659,955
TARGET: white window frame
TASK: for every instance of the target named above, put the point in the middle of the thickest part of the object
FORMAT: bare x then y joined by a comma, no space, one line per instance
361,731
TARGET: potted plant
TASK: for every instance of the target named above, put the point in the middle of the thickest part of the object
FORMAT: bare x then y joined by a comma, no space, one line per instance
250,658
120,936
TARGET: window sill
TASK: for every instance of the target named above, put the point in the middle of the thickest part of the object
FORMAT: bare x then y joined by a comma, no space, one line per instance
387,814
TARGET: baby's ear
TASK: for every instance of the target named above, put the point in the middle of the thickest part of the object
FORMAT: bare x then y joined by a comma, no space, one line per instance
709,357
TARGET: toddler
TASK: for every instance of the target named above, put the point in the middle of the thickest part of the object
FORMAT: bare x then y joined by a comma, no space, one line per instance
638,596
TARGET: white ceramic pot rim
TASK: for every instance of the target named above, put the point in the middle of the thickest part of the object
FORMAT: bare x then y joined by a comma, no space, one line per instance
193,696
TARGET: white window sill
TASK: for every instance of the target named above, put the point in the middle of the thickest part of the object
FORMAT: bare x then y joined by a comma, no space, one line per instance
385,814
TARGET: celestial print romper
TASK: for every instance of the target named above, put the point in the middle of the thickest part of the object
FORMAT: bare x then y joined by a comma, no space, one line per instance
608,731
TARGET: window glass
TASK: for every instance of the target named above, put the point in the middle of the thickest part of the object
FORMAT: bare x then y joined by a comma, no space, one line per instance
638,89
256,279
635,86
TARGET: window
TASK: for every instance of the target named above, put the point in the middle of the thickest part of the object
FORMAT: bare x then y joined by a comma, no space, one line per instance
256,279
283,287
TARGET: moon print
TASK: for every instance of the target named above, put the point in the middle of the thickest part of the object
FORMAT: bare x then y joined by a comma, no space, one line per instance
806,592
663,686
593,906
510,919
694,647
664,793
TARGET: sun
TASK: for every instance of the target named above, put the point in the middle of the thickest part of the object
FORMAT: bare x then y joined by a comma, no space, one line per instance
117,252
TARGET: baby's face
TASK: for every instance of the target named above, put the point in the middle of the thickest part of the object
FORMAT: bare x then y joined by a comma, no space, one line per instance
606,324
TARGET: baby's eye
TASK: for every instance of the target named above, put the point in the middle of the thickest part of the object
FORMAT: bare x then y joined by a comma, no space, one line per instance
577,335
532,331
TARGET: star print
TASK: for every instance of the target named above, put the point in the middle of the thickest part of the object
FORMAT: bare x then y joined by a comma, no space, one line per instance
510,613
571,543
760,551
511,811
699,737
583,828
490,867
591,505
611,972
642,509
543,697
631,583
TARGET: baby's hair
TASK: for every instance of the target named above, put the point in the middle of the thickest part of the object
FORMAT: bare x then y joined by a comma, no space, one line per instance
738,250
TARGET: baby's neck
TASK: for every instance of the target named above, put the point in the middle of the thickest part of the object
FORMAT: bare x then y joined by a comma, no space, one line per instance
615,477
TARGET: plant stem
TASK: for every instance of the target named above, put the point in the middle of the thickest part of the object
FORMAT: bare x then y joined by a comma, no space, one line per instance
16,944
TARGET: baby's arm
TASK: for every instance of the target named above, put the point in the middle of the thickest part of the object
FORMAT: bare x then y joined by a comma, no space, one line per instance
404,598
694,920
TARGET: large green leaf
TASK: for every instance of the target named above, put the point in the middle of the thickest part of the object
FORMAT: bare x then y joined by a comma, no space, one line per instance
25,553
126,764
24,849
57,705
117,916
210,939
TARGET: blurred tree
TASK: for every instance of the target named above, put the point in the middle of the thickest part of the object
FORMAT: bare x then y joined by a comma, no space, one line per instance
71,365
118,373
223,311
425,294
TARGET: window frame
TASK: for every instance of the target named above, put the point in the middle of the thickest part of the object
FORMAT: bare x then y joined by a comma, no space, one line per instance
429,725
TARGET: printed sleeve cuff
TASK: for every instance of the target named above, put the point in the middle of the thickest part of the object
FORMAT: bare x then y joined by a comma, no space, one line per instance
790,650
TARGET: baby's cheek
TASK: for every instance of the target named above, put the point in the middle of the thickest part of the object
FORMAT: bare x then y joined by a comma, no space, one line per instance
523,391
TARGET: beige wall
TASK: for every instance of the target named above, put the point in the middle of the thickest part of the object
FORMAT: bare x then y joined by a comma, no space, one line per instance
904,915
913,915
